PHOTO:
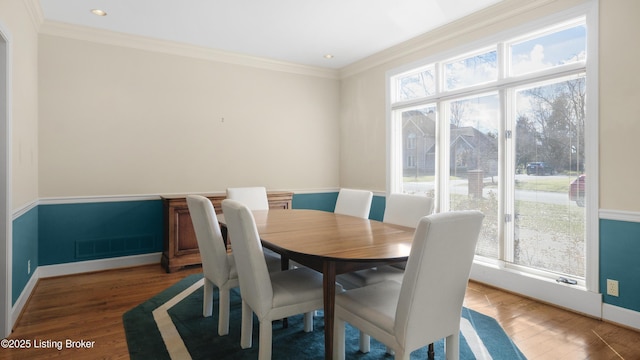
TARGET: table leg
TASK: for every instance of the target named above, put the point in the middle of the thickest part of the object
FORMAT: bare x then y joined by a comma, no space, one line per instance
284,265
284,262
329,292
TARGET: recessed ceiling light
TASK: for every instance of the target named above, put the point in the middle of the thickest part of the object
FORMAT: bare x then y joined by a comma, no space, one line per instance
328,56
99,12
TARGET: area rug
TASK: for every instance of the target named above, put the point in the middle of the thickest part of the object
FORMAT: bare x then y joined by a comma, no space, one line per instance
170,326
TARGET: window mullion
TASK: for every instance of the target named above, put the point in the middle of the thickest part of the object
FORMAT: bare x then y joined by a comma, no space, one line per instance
443,161
508,162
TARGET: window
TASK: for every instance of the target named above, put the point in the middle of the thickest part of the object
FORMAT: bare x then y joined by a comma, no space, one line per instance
501,128
553,48
474,123
411,141
471,70
416,84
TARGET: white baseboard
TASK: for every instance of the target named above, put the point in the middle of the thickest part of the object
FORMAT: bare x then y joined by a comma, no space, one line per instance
24,297
621,316
77,268
98,265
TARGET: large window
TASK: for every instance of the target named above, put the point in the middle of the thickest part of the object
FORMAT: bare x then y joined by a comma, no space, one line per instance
501,128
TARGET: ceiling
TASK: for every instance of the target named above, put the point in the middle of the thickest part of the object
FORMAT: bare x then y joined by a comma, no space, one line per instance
295,31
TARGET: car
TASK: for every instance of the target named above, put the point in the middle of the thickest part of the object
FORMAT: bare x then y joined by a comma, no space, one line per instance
576,190
539,168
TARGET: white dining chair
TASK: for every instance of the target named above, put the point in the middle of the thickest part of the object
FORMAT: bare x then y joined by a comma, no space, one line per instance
218,266
354,202
427,305
407,209
271,296
401,209
255,198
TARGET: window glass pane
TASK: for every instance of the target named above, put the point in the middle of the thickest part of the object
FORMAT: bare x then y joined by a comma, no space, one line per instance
473,149
550,50
474,70
419,150
549,184
416,85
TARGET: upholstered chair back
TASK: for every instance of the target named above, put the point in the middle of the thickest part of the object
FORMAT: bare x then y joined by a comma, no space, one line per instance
255,198
354,203
215,262
255,283
407,209
436,276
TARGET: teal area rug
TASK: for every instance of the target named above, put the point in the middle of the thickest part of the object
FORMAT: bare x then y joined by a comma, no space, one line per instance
170,326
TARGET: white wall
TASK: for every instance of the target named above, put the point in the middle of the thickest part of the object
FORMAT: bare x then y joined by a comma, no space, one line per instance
17,18
619,104
20,119
118,121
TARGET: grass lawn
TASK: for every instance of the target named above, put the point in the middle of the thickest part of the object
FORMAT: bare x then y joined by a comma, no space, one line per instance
542,183
534,183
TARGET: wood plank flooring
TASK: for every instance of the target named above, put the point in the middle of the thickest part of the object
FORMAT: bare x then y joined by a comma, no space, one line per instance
90,307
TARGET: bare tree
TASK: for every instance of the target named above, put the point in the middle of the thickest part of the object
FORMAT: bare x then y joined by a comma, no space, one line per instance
457,110
557,118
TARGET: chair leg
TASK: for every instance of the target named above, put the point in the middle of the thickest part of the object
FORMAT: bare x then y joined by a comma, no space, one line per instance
207,301
402,355
247,326
338,338
452,346
431,354
264,352
223,316
365,342
308,321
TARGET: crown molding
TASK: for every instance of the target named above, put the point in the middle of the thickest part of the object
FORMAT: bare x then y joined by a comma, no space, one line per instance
35,12
84,33
467,25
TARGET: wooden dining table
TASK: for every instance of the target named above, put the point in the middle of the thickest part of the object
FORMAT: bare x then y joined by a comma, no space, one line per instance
331,244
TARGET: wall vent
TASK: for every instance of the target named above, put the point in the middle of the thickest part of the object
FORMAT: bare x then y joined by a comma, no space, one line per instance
108,247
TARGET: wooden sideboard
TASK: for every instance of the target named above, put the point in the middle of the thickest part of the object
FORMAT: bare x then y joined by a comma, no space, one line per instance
180,244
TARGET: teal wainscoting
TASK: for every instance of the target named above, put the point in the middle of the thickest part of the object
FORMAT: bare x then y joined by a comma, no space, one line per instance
620,260
89,231
317,201
100,230
327,202
377,208
25,251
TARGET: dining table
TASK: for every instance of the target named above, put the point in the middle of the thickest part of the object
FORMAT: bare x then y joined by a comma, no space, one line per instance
332,244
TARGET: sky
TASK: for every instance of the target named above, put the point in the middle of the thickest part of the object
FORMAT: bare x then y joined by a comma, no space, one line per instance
559,48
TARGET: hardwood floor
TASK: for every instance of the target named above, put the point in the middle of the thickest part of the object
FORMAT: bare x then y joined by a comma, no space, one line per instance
90,307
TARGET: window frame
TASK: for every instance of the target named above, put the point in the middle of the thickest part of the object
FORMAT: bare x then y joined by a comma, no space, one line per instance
504,39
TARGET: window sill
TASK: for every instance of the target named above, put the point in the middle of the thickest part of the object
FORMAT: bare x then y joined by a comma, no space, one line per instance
573,297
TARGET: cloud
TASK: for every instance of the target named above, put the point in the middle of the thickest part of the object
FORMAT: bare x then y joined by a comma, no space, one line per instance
533,61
